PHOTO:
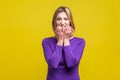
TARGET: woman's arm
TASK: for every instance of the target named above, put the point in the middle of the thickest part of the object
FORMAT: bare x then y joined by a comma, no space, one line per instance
72,57
52,56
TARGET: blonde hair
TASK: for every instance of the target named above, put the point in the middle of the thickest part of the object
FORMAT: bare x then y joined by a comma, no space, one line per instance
68,13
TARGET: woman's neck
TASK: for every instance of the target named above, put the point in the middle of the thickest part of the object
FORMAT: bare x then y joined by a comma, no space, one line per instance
69,37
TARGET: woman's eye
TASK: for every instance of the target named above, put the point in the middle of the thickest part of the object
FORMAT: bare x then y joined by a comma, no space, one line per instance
58,19
65,18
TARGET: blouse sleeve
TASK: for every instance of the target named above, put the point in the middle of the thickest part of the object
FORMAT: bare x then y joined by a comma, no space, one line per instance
72,57
52,56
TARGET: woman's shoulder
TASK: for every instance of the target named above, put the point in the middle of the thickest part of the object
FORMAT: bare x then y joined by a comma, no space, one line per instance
47,39
79,39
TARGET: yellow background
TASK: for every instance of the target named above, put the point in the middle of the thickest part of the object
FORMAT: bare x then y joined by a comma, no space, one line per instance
24,23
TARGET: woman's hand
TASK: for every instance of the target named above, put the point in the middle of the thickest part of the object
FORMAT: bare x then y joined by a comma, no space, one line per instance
63,34
59,32
68,33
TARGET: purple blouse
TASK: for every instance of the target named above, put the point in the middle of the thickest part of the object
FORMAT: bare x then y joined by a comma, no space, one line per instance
63,61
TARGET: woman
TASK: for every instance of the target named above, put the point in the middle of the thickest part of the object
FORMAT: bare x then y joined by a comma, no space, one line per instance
63,51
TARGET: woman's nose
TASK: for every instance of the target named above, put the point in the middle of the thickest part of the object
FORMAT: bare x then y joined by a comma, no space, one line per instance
62,22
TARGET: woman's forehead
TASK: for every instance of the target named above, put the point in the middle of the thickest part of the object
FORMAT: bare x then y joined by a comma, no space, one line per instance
63,14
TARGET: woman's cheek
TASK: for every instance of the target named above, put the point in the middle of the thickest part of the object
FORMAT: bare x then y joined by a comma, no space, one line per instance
57,23
67,23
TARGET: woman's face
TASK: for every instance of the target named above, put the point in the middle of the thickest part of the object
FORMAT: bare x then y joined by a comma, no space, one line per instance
62,20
